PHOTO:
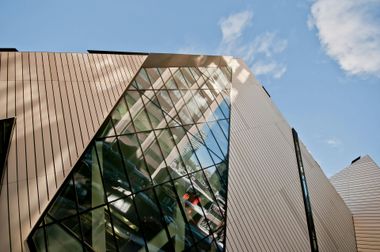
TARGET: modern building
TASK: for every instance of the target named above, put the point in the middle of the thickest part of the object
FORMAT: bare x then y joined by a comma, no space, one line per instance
359,186
146,152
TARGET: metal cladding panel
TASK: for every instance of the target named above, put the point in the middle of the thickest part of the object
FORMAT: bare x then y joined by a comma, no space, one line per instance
359,186
59,101
265,203
332,218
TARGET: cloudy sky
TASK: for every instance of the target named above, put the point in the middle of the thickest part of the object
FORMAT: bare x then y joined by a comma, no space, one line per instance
320,60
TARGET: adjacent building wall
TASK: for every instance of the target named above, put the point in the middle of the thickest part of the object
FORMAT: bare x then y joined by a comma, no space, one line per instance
59,101
359,186
265,205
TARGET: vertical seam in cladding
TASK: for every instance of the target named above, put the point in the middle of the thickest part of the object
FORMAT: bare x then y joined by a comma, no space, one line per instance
84,119
7,169
101,81
97,84
65,83
82,95
56,116
92,85
80,122
105,80
33,134
75,108
87,84
49,122
25,146
16,153
64,115
111,80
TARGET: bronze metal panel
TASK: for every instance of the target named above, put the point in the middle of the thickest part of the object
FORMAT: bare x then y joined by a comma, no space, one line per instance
265,210
359,186
180,60
58,108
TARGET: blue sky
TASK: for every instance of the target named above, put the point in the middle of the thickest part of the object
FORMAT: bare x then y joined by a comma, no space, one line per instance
320,60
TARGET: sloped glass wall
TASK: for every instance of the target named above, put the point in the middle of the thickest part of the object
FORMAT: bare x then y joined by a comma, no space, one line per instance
155,176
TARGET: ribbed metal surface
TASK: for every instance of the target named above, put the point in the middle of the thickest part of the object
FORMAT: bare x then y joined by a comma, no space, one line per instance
265,205
59,100
359,186
332,218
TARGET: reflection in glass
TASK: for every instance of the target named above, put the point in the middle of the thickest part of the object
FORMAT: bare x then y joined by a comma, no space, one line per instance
155,176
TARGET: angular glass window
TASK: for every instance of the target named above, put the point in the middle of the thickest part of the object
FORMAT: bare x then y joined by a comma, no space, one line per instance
154,178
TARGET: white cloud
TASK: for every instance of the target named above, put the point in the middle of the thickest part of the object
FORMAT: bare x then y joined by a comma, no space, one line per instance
349,31
273,68
233,26
259,53
333,142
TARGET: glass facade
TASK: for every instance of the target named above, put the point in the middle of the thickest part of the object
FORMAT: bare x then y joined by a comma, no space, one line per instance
155,176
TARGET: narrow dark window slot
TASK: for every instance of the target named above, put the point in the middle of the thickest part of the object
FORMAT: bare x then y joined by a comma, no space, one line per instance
356,159
6,129
8,50
305,193
266,91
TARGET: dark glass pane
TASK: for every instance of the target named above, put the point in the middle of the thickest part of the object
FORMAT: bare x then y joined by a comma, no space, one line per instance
97,229
115,181
190,202
128,232
106,129
62,239
219,191
39,240
88,181
179,229
65,203
134,162
152,222
6,127
121,118
214,210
